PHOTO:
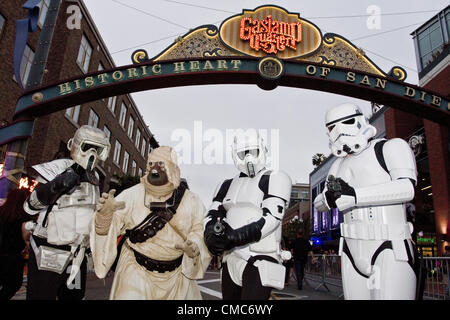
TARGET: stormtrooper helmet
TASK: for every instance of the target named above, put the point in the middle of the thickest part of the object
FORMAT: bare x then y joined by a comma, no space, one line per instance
88,146
348,130
249,152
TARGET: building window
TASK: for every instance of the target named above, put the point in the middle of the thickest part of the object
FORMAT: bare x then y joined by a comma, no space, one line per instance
112,104
144,143
123,114
430,43
305,194
107,132
126,157
43,6
93,119
73,113
130,127
140,172
117,149
133,168
84,54
25,65
2,23
138,138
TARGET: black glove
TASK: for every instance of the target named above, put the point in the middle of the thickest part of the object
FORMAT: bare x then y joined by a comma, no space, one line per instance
48,193
336,188
229,238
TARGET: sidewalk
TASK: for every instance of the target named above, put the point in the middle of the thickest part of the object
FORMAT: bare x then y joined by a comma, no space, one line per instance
98,289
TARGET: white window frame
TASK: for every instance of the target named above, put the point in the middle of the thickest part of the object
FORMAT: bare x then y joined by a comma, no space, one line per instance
117,150
84,54
133,168
144,144
73,113
93,116
43,10
123,115
130,127
2,24
140,172
126,158
112,103
26,63
107,132
137,140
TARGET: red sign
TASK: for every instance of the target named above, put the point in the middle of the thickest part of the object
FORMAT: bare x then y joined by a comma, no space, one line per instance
269,35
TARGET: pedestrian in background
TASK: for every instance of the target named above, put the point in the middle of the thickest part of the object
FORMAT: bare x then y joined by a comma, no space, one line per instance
12,243
285,245
301,248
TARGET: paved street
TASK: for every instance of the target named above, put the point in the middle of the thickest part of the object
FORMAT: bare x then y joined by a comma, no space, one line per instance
98,289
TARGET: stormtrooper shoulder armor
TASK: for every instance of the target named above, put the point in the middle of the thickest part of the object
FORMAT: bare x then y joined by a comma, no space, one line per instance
50,170
276,184
399,159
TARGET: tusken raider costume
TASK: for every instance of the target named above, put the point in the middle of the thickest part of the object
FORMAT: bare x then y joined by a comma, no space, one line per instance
244,223
163,252
370,182
65,200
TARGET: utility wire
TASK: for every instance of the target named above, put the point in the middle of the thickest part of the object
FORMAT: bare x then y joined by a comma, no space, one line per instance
203,7
370,15
387,31
197,6
322,17
147,43
149,14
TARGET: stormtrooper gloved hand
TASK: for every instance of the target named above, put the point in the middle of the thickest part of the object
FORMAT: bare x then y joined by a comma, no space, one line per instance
340,194
230,238
104,212
48,193
189,247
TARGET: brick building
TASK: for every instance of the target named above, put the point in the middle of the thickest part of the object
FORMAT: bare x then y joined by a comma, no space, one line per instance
299,202
72,52
429,140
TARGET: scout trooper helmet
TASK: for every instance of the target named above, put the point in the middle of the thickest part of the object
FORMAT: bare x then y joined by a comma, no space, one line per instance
249,152
88,146
348,130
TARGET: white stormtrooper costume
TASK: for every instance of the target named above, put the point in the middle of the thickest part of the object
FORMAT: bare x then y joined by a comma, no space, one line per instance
244,223
370,182
65,200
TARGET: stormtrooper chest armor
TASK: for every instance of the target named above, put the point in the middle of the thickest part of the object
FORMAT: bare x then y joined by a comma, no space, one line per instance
243,200
363,169
372,222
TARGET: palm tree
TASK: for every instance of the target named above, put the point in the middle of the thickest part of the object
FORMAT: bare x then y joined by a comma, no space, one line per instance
318,159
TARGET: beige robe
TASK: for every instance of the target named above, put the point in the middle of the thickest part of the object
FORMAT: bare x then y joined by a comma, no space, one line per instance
133,281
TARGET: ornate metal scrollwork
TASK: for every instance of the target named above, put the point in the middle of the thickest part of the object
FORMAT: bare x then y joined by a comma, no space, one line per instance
139,56
398,73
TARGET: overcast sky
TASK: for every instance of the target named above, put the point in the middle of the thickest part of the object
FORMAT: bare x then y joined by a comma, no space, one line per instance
297,115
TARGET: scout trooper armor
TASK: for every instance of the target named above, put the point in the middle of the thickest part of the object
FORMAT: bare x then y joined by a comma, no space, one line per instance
370,182
244,220
66,198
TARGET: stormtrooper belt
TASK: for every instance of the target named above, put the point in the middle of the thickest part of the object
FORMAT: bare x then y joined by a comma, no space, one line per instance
157,265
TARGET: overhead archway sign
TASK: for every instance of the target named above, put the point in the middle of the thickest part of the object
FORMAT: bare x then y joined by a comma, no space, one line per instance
267,46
